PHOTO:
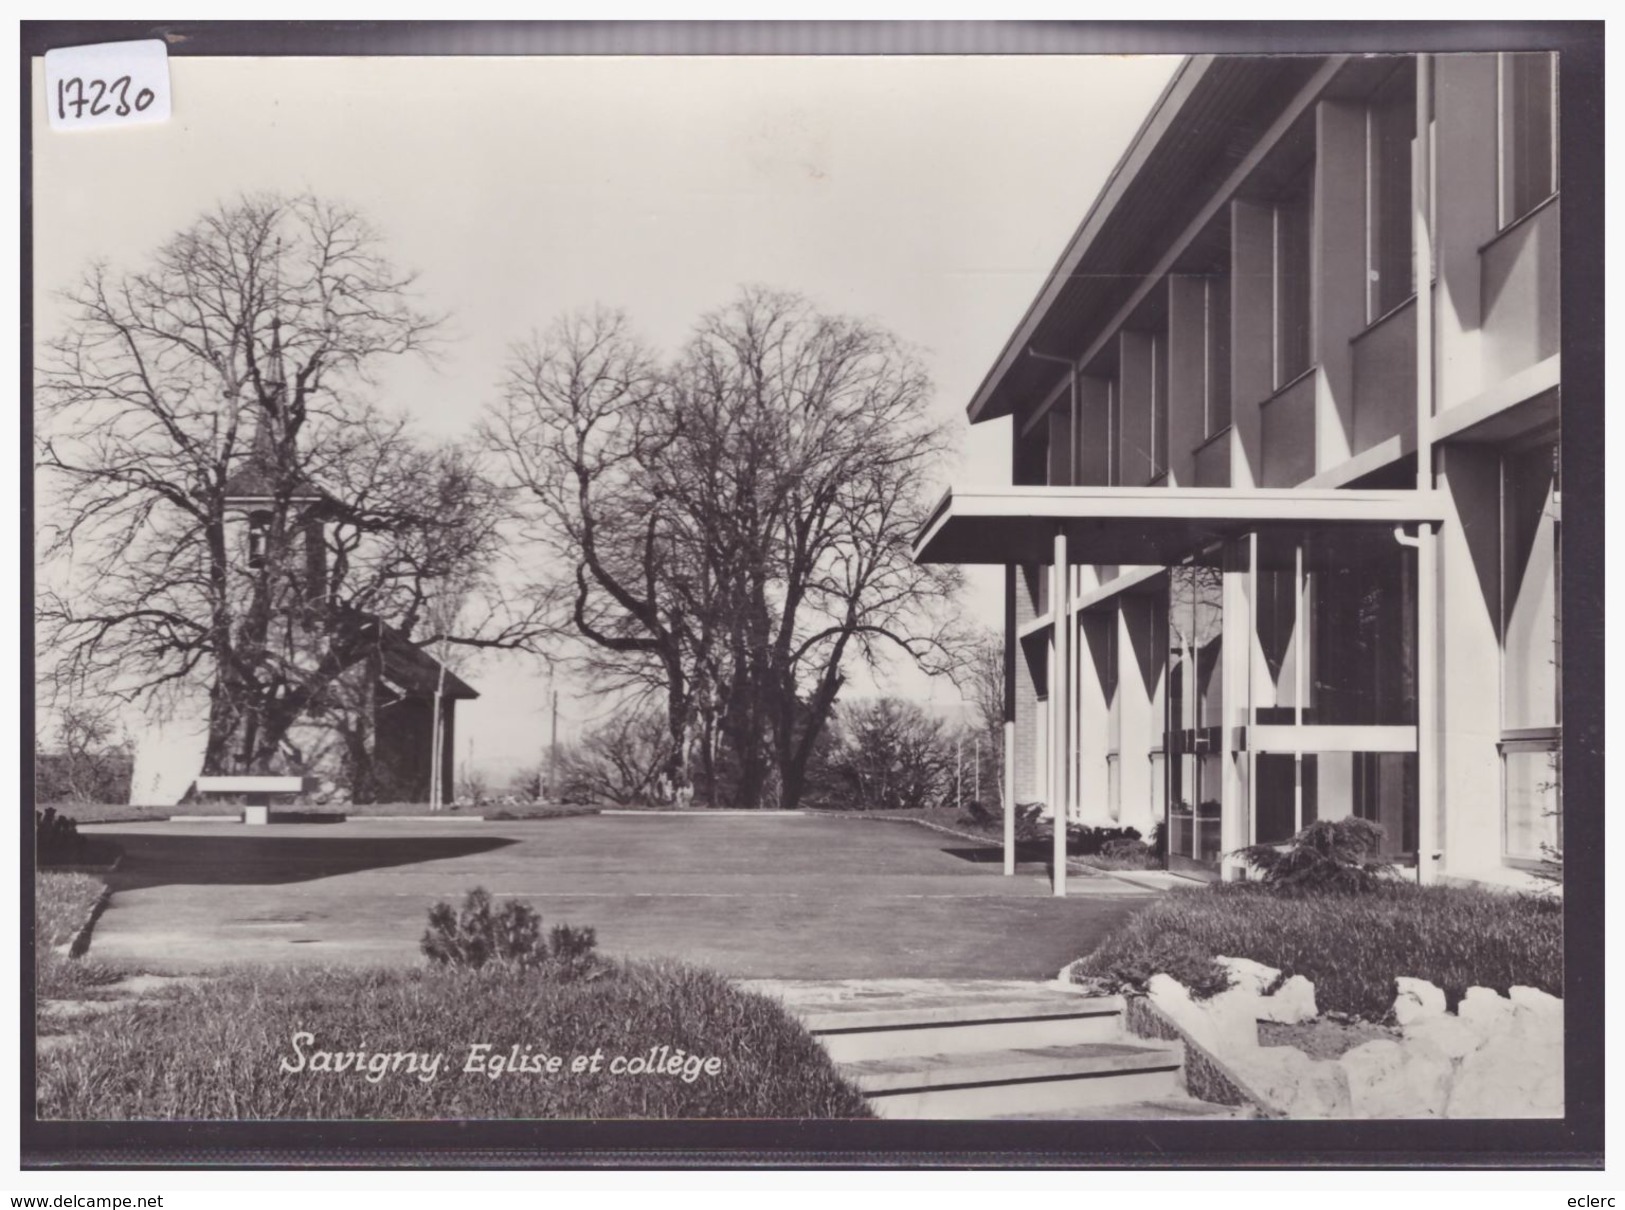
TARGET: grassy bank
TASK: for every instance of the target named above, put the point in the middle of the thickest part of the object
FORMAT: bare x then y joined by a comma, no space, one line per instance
62,903
221,1049
1350,946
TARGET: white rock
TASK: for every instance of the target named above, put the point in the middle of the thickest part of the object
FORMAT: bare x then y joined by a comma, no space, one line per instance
1233,1015
1448,1034
1394,1080
1416,1000
1249,975
1293,1083
1517,1073
1484,1011
1293,1004
1533,1000
1173,999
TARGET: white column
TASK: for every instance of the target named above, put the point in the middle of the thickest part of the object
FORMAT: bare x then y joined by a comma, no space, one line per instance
1059,710
1009,798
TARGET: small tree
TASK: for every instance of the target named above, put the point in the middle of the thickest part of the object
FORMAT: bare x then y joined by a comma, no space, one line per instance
890,754
619,761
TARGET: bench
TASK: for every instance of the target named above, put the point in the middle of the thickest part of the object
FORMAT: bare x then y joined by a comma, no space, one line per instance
258,789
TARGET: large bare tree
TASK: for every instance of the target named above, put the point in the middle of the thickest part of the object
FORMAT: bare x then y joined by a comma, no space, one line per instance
735,525
246,348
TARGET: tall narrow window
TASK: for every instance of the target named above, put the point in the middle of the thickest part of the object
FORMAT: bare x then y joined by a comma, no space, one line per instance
1114,453
1216,393
1159,404
1532,653
1528,119
1292,269
259,534
1390,133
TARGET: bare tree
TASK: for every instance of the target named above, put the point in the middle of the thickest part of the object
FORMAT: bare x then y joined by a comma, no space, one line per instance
249,342
620,761
891,755
983,679
736,526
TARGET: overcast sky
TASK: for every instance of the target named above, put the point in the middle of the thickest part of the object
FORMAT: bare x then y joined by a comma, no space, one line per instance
931,194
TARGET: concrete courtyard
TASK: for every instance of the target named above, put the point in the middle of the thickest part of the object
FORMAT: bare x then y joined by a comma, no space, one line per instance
787,897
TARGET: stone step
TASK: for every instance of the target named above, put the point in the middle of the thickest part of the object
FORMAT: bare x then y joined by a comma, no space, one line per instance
1036,1080
1161,1109
880,1019
1006,1027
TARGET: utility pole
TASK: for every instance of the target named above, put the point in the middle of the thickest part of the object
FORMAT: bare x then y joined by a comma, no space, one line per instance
553,749
959,775
977,773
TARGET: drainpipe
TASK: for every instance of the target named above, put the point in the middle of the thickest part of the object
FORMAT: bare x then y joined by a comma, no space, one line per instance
1426,540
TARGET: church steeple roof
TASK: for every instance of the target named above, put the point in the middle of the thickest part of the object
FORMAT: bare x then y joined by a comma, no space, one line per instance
257,478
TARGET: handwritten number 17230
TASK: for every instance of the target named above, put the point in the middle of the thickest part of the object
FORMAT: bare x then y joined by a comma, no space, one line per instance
98,97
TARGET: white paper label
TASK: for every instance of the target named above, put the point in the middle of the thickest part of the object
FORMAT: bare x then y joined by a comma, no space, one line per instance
109,84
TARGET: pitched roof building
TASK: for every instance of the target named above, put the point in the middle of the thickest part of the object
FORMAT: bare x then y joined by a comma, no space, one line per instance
1283,535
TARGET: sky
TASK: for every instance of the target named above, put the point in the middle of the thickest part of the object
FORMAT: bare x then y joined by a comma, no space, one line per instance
931,194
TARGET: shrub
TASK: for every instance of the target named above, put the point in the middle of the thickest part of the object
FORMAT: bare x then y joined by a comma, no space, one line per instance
1085,841
56,838
976,813
510,939
1183,957
1330,855
215,1050
1351,947
1029,822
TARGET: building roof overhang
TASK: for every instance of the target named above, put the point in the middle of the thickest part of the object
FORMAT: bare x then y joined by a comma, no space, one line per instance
1158,526
1211,116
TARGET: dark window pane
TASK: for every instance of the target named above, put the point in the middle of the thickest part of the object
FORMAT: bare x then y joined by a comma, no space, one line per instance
1362,595
1159,404
1275,775
1292,260
1527,99
1218,355
1391,131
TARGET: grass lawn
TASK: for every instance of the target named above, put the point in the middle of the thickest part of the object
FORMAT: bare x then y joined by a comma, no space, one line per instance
224,1049
89,812
61,903
1039,849
1351,947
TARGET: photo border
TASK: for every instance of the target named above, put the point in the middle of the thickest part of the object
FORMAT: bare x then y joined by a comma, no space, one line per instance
1575,1141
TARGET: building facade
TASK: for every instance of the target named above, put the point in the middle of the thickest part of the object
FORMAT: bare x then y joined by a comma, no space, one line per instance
1283,536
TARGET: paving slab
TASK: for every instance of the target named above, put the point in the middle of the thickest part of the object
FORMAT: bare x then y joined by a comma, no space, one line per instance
782,896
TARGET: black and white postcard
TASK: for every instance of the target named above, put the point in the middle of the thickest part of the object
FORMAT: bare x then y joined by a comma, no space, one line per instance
648,593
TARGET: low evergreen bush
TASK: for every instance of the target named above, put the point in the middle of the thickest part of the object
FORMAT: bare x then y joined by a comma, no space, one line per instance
56,838
1338,856
509,939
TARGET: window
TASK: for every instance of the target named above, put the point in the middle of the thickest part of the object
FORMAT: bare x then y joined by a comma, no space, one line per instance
1216,384
1159,405
1389,133
1532,650
1292,279
259,530
1528,128
1531,675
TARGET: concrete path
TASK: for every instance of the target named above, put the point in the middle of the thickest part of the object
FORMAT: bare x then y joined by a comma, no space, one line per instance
799,897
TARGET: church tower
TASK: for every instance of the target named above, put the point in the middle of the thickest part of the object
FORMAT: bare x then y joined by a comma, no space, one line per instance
284,512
